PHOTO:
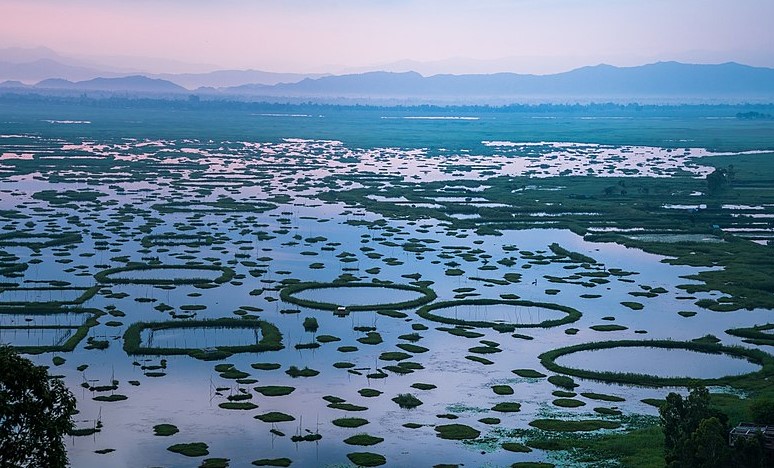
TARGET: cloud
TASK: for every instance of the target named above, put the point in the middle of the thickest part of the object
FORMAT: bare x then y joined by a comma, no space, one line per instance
312,34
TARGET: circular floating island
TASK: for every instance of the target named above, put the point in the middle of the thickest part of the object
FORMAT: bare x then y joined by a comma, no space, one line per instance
494,313
659,362
152,274
356,296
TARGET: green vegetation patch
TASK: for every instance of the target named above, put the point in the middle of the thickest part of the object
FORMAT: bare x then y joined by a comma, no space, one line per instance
757,335
274,390
238,405
394,356
507,407
327,338
266,366
583,425
294,372
38,241
456,432
480,360
515,447
193,449
275,417
608,327
283,462
638,448
110,398
215,463
412,348
165,430
423,386
602,397
563,381
347,407
489,420
529,373
104,276
363,440
502,389
349,422
407,400
366,459
568,403
607,411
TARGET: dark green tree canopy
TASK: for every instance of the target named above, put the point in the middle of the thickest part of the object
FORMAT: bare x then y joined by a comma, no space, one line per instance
717,181
35,413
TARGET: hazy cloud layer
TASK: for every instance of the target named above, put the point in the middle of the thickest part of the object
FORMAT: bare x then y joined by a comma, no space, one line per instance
453,35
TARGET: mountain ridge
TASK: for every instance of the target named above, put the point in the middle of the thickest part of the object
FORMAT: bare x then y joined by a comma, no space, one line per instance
673,80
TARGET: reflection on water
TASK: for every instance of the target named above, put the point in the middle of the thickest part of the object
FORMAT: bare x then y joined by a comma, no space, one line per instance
35,336
500,313
303,239
659,361
166,274
42,319
40,295
345,296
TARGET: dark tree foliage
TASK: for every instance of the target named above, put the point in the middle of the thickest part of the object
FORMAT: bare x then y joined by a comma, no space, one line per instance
35,414
717,181
694,434
748,453
762,411
708,445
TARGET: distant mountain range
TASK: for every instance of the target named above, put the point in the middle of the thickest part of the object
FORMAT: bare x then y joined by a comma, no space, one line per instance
38,64
668,80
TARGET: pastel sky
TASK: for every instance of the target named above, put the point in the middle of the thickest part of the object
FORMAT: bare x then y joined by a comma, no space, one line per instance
536,36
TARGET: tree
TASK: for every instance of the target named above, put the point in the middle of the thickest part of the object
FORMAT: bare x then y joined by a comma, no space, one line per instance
35,413
748,452
708,442
681,419
717,181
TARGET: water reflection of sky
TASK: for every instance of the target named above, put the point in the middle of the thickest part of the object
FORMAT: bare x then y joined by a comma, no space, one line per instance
659,361
266,248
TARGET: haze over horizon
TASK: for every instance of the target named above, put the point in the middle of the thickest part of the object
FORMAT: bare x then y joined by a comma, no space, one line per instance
428,36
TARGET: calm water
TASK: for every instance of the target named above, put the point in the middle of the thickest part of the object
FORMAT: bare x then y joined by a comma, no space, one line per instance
266,248
167,274
358,296
660,362
504,313
35,337
198,338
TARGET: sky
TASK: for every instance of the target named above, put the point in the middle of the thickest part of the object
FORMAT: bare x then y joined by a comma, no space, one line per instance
456,36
